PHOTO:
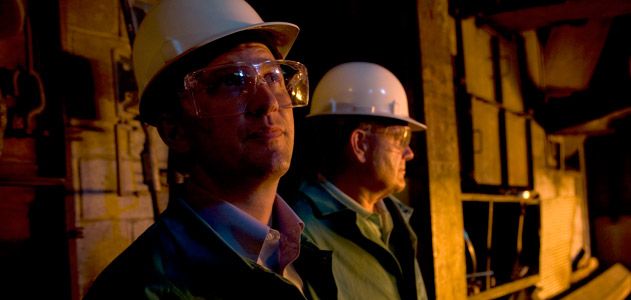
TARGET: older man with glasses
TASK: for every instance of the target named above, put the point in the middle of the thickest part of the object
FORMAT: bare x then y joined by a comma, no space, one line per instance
212,78
359,146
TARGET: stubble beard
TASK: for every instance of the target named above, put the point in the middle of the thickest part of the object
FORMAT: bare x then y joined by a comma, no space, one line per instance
255,164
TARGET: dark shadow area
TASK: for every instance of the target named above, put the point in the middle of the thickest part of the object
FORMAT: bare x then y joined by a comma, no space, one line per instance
608,166
38,267
608,89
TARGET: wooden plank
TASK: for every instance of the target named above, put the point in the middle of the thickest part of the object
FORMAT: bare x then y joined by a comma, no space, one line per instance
498,198
540,16
613,284
506,289
436,38
582,273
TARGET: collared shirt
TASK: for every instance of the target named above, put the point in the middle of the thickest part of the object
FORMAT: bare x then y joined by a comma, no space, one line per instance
272,248
379,222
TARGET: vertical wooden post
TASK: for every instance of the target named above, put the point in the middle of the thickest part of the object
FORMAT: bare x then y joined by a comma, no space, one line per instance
437,46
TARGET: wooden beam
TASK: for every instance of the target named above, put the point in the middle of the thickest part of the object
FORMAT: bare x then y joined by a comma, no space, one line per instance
540,16
506,289
436,38
613,284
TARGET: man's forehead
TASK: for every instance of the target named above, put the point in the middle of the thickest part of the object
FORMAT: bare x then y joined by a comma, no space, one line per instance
245,52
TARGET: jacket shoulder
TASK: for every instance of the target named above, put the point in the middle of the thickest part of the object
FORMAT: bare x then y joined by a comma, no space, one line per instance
137,270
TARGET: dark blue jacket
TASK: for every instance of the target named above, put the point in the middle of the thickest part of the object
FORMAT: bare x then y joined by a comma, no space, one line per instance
181,257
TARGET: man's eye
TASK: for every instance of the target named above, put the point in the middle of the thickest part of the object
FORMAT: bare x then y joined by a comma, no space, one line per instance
274,78
236,79
225,81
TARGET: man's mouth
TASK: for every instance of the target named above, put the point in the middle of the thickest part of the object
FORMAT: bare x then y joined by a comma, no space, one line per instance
267,133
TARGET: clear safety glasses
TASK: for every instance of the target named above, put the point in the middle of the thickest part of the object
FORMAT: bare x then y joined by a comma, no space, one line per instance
399,135
225,90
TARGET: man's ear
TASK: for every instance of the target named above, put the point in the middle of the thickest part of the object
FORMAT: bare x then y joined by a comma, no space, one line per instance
359,145
174,135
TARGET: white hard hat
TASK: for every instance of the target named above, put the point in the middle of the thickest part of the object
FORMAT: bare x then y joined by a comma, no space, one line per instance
175,28
362,89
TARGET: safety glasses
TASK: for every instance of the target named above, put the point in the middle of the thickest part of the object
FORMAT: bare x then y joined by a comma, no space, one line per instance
399,135
226,90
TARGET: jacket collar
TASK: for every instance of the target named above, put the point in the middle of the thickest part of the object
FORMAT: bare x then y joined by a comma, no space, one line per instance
326,204
196,237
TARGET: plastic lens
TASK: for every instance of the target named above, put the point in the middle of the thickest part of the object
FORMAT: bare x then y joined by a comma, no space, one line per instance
399,135
225,90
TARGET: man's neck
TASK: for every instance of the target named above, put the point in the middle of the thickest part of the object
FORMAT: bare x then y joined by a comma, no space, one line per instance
352,186
254,196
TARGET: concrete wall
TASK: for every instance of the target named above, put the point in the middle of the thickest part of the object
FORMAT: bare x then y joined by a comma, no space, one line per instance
112,205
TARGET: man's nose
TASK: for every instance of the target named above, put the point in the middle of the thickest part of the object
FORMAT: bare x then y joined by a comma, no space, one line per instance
408,154
263,100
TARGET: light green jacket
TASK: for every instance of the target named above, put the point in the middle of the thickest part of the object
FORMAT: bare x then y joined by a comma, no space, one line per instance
364,267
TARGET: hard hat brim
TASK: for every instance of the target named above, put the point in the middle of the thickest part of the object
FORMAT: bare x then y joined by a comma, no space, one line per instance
414,125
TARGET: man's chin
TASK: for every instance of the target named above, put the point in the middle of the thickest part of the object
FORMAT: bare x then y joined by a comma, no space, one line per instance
272,165
399,187
279,167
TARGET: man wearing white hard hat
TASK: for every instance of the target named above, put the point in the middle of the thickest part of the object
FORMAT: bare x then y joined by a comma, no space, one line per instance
212,78
360,144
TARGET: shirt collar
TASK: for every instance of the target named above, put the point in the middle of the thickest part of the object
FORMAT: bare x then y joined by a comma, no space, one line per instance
290,227
379,222
246,235
345,199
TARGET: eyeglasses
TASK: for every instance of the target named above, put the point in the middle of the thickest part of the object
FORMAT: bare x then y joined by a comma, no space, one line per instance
225,90
400,135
